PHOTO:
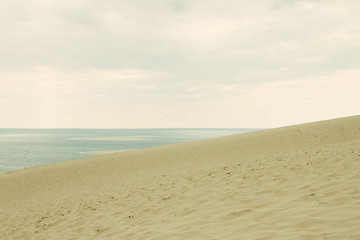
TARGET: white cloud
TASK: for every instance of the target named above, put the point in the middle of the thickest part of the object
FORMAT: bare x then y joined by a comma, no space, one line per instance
202,63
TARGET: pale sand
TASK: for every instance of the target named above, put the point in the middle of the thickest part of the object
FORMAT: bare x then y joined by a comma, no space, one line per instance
298,182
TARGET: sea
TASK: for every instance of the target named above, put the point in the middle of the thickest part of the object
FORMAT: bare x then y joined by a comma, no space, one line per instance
23,148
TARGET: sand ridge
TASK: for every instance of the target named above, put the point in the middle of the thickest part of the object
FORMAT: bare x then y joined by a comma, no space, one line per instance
297,182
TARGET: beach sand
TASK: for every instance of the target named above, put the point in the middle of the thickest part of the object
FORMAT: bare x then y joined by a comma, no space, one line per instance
296,182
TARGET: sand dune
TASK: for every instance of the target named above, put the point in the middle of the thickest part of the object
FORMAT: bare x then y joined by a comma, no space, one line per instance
296,182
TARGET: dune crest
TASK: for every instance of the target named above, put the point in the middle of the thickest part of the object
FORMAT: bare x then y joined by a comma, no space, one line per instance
295,182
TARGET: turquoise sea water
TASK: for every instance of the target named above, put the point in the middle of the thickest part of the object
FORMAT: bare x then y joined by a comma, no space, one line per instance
21,148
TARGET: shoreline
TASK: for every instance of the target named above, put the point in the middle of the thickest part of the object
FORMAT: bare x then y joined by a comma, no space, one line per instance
105,152
23,148
294,182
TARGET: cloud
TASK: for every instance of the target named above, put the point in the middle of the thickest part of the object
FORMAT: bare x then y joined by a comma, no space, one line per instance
136,60
209,34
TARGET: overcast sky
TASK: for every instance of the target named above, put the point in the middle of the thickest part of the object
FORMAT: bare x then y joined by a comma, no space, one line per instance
177,63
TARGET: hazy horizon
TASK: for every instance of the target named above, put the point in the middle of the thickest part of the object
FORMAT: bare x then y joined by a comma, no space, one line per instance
177,64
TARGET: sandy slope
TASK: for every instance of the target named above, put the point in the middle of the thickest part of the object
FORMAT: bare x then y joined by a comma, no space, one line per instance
297,182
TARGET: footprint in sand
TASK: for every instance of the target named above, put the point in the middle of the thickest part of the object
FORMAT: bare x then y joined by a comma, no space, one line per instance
239,213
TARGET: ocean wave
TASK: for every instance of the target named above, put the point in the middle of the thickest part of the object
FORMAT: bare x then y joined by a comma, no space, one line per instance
106,152
109,139
6,168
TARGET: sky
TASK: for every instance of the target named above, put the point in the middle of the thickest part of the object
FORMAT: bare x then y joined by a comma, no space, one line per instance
172,63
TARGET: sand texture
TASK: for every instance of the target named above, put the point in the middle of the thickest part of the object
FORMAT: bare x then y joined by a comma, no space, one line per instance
297,182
